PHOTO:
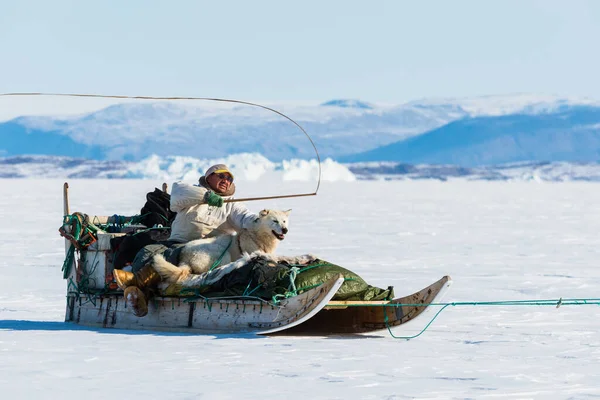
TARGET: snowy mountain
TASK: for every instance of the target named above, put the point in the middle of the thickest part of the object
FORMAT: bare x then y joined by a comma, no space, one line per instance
134,131
508,104
571,133
488,130
526,171
345,103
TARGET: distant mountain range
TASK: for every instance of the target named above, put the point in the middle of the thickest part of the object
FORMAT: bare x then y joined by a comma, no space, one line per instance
463,132
572,134
135,131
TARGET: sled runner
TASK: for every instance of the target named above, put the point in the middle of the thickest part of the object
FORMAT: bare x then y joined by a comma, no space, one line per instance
368,317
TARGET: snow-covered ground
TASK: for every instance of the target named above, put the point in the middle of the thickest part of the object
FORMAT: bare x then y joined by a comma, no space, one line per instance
498,241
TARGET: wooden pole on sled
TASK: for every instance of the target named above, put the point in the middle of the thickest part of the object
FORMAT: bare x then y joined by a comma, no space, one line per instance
66,199
269,197
66,212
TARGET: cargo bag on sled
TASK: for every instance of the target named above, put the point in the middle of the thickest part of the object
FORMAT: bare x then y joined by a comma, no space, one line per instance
262,277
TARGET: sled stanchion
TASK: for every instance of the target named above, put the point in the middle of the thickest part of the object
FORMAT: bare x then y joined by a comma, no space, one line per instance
66,199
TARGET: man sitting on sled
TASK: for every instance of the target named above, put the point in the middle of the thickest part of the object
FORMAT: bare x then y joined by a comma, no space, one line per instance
201,212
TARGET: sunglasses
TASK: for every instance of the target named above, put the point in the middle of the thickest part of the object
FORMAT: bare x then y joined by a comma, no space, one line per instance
225,176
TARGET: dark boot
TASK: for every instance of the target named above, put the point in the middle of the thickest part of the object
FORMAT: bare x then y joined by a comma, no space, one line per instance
137,287
137,300
124,278
146,277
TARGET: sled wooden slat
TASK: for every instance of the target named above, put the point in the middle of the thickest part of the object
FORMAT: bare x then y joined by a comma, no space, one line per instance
177,314
350,303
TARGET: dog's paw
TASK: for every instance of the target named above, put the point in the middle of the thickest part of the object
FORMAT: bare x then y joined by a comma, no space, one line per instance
186,271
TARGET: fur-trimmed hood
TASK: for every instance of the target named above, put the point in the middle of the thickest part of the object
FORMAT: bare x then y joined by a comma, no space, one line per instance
205,184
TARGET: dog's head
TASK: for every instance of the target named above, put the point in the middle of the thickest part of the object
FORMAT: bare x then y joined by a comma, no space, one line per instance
275,222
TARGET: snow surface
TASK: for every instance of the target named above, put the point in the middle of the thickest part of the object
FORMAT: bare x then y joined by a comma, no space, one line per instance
498,241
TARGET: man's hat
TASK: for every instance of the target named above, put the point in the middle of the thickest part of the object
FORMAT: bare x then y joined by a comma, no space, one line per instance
218,169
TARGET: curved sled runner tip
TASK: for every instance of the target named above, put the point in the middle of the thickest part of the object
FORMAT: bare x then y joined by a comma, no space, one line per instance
372,317
318,301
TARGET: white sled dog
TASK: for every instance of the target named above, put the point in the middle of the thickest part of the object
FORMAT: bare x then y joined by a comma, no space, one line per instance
198,256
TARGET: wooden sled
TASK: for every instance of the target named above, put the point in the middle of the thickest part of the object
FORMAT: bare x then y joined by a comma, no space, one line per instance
309,313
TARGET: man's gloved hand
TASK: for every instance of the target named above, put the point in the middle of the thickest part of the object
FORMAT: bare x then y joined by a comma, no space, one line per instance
213,199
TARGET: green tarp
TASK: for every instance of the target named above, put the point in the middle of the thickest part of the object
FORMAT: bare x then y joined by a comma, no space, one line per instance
263,278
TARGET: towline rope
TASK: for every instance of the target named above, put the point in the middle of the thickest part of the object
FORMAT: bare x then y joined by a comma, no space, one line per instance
171,98
542,302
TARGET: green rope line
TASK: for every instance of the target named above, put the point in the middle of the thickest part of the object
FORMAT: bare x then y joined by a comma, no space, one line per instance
246,297
247,287
291,290
218,261
68,263
543,302
86,276
248,293
387,325
295,270
82,234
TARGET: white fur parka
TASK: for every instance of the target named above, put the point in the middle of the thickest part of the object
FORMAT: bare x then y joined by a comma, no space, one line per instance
195,219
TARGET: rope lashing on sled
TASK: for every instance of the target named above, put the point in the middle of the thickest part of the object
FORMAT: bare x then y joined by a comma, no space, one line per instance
77,230
542,302
218,260
297,269
291,290
116,222
204,99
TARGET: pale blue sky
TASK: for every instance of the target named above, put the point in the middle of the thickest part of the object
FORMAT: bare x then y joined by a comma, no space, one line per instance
308,51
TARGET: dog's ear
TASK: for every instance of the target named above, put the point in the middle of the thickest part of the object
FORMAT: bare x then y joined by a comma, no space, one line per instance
287,212
263,213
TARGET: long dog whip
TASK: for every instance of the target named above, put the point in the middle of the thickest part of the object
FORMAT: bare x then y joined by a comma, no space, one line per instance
205,99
